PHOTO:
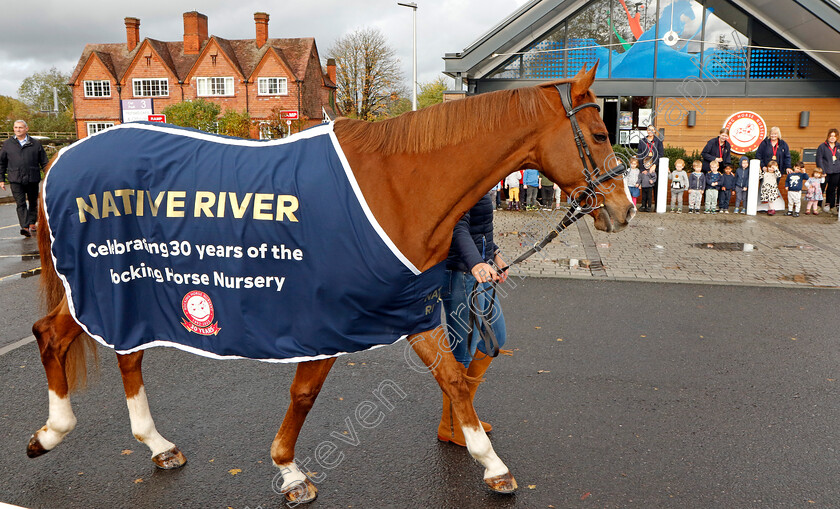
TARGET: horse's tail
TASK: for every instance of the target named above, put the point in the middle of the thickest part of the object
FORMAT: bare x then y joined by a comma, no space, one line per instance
52,296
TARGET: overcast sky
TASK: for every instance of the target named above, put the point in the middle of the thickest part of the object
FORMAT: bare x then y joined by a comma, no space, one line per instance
52,33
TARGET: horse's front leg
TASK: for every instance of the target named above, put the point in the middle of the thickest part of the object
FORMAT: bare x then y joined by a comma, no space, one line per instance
451,376
309,378
164,453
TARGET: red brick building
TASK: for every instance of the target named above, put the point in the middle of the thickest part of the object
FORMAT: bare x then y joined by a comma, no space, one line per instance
254,75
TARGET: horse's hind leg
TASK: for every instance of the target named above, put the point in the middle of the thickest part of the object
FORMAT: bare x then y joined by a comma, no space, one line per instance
451,376
55,333
306,386
164,453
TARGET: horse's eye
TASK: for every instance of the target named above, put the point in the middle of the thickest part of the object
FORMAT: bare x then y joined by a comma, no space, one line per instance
600,137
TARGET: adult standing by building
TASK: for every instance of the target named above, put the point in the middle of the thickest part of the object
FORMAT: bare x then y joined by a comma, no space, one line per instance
471,267
21,160
531,181
830,166
546,192
717,149
650,147
774,148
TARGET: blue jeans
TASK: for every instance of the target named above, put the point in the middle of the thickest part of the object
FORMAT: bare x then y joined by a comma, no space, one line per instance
457,287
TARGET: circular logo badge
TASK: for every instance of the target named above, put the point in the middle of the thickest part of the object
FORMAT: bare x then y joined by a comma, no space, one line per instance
198,308
746,131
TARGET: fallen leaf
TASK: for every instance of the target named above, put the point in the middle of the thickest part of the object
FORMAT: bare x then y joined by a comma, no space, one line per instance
559,339
532,486
212,460
311,474
793,339
642,336
700,296
126,452
538,327
701,337
830,379
234,471
585,495
341,399
138,481
81,473
351,363
543,371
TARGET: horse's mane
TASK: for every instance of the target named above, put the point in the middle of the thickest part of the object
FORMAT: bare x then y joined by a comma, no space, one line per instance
444,124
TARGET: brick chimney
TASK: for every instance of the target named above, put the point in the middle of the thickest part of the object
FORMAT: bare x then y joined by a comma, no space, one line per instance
132,33
331,69
195,32
261,21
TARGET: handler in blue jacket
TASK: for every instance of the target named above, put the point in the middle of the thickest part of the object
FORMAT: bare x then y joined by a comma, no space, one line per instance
473,257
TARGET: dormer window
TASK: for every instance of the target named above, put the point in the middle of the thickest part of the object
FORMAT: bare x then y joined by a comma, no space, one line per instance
272,86
97,88
206,87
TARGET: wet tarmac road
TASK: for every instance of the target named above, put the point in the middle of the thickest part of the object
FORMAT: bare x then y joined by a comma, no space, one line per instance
658,395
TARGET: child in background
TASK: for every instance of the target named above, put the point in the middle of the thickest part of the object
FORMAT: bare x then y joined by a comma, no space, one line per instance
793,183
679,183
632,179
713,179
814,193
742,180
647,180
727,185
512,185
770,186
558,196
696,185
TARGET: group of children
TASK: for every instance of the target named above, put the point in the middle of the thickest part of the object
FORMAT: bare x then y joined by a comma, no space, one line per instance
718,187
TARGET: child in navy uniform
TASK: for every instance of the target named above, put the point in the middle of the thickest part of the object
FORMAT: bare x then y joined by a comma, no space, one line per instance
713,179
742,181
793,184
696,185
727,185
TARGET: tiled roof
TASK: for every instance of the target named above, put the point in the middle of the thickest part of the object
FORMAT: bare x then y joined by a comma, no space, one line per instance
243,54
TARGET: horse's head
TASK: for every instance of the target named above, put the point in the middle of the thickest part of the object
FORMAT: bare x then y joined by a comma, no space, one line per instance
575,152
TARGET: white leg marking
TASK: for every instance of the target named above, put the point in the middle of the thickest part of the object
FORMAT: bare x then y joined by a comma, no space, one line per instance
142,425
291,475
60,422
482,450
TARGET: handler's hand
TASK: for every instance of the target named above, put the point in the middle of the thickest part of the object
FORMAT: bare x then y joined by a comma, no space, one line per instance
484,273
3,186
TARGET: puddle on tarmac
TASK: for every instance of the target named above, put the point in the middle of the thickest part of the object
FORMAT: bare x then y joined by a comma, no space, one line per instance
727,246
804,247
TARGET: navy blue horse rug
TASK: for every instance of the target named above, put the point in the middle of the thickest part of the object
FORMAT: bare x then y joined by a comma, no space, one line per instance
227,248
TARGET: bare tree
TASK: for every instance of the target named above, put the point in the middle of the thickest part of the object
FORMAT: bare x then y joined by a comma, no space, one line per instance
367,71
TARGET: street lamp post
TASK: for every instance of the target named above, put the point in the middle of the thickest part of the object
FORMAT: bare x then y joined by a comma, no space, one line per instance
413,7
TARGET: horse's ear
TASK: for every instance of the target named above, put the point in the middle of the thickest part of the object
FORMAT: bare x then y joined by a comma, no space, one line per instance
583,80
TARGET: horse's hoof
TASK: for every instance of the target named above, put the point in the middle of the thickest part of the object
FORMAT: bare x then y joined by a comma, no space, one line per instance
504,483
35,449
167,460
301,492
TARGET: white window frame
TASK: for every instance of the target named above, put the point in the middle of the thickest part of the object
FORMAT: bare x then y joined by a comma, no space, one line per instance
208,86
97,88
95,127
264,85
157,87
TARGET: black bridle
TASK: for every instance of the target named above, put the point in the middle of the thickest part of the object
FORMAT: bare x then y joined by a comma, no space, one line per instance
584,201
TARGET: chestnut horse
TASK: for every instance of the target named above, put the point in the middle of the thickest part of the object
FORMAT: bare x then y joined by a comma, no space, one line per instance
443,158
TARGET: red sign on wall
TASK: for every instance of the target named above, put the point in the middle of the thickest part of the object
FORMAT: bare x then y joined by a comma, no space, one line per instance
157,118
289,114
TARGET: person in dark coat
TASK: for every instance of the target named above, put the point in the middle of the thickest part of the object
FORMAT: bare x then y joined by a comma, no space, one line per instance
650,147
774,148
830,166
717,149
21,160
473,259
